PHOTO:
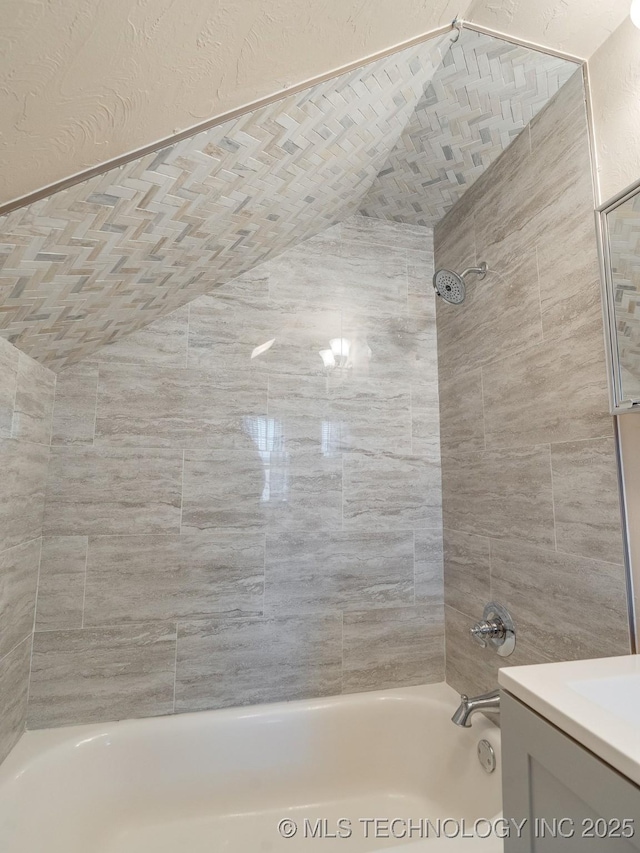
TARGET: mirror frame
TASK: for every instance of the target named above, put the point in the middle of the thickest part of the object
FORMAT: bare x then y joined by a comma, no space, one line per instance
618,405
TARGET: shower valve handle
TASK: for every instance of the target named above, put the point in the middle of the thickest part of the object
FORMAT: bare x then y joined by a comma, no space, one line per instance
488,630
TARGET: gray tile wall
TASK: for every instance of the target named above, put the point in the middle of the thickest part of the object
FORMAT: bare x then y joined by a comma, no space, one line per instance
223,529
530,495
26,407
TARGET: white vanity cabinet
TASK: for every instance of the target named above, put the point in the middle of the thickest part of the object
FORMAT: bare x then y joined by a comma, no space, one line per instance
565,797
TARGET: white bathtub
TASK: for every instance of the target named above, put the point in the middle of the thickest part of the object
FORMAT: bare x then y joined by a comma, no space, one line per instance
223,780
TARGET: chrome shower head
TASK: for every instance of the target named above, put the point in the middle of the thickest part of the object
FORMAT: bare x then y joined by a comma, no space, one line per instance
451,287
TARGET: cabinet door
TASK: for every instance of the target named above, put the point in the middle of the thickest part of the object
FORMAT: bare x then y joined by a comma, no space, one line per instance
568,797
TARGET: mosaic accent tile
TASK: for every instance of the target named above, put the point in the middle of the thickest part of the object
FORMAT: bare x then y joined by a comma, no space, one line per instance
482,95
91,263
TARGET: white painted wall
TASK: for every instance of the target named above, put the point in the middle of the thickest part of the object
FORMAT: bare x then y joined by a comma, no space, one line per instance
578,27
615,91
83,81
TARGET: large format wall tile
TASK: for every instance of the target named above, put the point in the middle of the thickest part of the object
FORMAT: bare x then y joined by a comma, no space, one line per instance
61,584
428,566
94,490
161,578
586,499
226,332
34,402
529,379
274,490
392,491
333,415
149,406
240,662
101,674
198,507
9,357
311,571
18,584
467,584
22,490
500,493
74,412
547,394
394,647
579,594
14,686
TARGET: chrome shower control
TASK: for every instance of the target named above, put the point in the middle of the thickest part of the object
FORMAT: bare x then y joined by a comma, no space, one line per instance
496,629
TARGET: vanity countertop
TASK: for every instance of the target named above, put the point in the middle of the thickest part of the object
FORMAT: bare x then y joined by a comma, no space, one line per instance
596,702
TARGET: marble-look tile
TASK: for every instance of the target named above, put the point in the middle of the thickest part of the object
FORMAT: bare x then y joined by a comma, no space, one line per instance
22,490
471,669
586,499
425,416
227,662
555,391
556,599
100,674
34,401
74,412
162,578
260,489
461,409
333,414
14,686
113,491
428,567
163,342
500,315
9,356
392,491
354,280
227,333
505,494
454,238
420,270
396,647
393,348
18,585
395,235
467,571
312,571
171,407
61,586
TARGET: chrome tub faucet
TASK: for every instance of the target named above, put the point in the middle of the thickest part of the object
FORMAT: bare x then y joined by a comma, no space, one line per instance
489,703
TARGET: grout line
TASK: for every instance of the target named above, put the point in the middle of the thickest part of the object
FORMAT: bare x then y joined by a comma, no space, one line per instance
175,670
553,502
95,411
17,645
181,490
84,591
186,355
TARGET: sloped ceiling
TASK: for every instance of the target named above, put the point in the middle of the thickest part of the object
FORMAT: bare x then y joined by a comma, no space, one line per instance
481,96
89,264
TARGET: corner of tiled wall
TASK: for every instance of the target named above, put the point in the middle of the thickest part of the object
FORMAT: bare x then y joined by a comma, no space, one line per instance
26,407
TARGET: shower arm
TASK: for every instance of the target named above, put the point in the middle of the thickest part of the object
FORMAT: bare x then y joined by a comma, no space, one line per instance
480,271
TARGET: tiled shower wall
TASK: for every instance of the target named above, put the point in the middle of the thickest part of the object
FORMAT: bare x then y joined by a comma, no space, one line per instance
530,493
26,406
226,522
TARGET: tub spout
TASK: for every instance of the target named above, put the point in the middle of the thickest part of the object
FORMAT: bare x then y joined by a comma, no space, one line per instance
487,702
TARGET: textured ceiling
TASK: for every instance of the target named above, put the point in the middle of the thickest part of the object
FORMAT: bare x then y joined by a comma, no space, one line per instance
482,95
89,264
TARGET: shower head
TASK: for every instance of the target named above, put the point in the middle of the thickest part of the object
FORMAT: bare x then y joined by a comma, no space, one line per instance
451,287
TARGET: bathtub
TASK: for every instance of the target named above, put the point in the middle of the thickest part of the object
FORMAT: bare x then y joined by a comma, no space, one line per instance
242,779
